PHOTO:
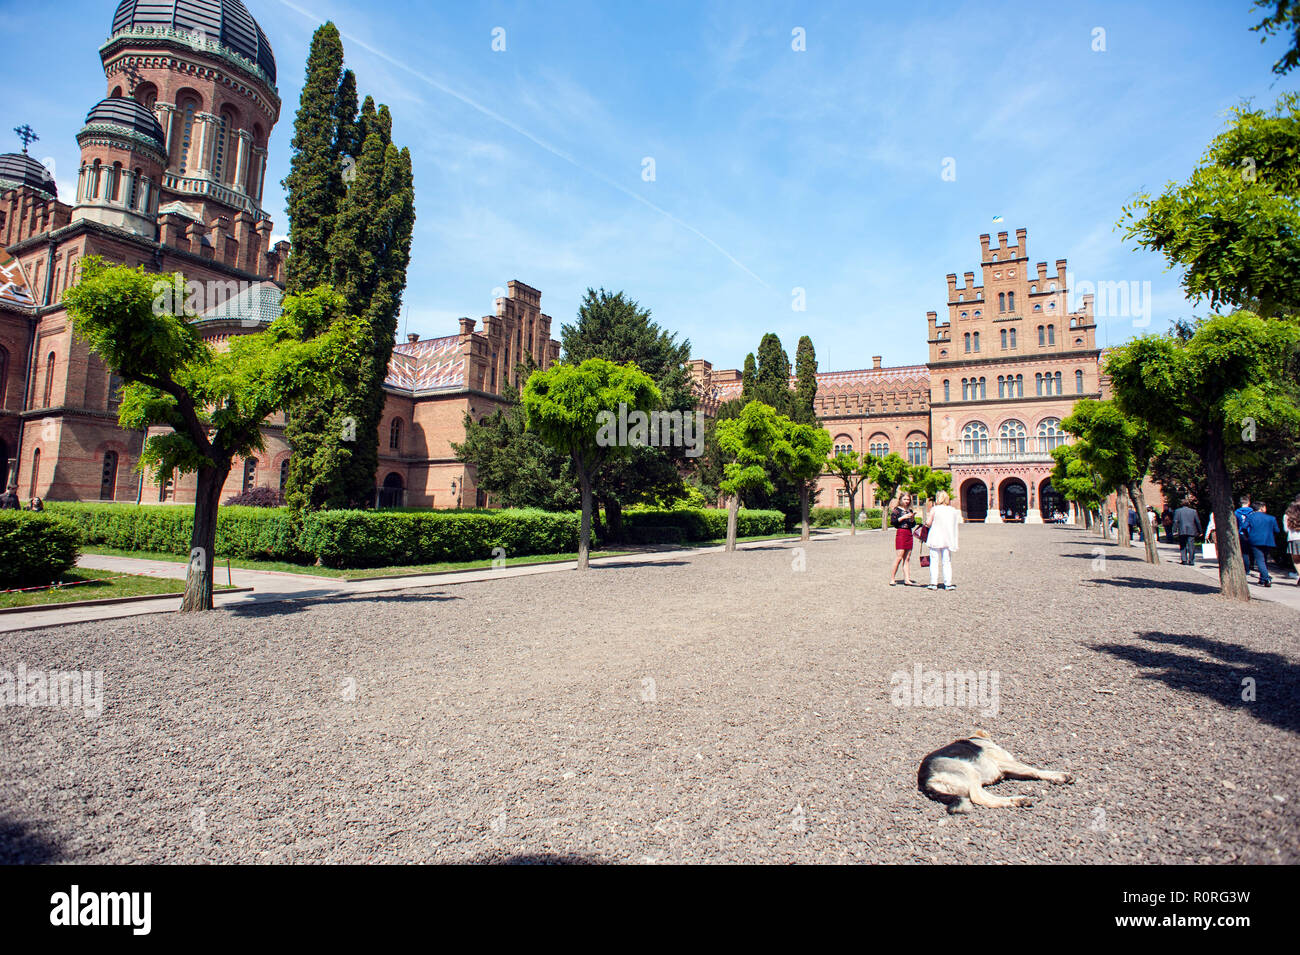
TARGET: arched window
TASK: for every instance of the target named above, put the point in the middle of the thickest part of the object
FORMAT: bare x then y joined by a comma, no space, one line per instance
995,256
977,341
220,133
965,389
1038,308
946,395
1011,437
975,438
1004,339
1011,301
1042,335
1050,434
114,182
1078,382
966,338
978,313
879,445
250,472
395,435
108,477
1033,288
1020,386
1058,383
983,393
1002,301
964,315
49,380
1038,383
187,133
1051,334
1013,338
36,472
916,450
284,474
843,445
1002,386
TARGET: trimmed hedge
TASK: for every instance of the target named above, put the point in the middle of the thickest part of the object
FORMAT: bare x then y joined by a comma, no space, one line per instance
834,516
252,533
36,548
703,524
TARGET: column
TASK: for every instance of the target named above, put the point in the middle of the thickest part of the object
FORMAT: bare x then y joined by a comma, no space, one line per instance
259,173
202,140
241,161
994,515
167,120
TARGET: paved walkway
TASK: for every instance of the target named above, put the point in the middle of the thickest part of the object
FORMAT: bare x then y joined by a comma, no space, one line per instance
1284,589
271,586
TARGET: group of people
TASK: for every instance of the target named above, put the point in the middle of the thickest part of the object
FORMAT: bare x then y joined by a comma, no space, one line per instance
936,530
9,501
1257,532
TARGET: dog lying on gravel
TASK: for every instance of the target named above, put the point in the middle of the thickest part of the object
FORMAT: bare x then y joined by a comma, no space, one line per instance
957,774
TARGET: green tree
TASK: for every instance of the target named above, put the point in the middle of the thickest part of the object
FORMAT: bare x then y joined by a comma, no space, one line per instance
888,474
214,401
355,235
1207,392
571,407
1284,19
1119,448
512,464
852,469
924,483
1234,226
772,378
747,378
800,455
805,389
748,442
618,329
1079,483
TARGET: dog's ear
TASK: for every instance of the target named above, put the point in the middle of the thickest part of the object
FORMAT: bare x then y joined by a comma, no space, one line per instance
980,734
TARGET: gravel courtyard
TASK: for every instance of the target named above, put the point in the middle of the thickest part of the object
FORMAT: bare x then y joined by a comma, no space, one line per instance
709,709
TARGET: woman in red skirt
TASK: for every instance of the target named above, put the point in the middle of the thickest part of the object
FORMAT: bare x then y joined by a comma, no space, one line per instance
903,519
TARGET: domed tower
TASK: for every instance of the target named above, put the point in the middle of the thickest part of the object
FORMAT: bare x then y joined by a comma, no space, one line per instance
206,71
122,161
20,169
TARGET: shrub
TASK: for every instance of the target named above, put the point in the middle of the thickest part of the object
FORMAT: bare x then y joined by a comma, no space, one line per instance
36,548
256,497
839,516
252,533
705,524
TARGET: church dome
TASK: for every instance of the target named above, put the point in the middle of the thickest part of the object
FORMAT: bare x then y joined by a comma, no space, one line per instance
228,22
125,114
20,169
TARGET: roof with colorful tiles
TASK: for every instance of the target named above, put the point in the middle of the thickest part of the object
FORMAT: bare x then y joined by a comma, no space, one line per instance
435,364
854,381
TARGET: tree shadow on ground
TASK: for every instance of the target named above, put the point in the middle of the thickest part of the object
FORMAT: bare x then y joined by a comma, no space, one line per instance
538,858
20,844
640,563
1276,679
297,603
1145,583
1092,556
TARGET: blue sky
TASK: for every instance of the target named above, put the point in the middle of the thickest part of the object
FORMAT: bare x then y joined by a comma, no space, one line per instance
775,169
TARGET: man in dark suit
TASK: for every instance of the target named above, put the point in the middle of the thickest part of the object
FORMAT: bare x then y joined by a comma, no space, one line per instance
1187,527
9,499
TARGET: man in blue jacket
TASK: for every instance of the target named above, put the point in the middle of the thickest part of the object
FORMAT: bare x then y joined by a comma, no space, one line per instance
1261,534
1243,513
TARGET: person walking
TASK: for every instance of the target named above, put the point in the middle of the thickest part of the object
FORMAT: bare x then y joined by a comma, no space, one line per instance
1243,512
1261,533
1167,519
1292,521
1186,523
903,518
942,523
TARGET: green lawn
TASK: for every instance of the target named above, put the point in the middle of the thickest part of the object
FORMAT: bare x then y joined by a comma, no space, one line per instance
351,574
98,588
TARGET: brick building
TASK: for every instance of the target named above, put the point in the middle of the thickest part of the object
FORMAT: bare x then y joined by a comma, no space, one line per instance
173,162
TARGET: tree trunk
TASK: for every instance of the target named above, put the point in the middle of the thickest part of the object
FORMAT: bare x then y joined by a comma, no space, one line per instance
584,525
1148,531
1121,520
803,510
853,513
1227,543
203,539
733,514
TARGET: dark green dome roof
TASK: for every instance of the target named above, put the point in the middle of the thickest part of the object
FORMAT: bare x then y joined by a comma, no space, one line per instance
125,113
20,169
226,21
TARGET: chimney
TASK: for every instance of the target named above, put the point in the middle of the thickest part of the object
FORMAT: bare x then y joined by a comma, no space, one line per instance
875,361
413,337
467,326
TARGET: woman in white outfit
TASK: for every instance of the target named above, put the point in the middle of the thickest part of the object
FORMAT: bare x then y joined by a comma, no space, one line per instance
942,539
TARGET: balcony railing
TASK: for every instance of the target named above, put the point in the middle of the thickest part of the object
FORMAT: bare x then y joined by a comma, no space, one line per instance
213,190
1003,457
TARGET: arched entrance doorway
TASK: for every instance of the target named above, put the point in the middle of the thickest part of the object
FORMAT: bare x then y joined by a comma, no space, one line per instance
1050,501
974,500
393,491
1013,499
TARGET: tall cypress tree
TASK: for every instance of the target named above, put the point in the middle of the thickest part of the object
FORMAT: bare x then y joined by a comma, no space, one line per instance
805,388
747,377
356,236
772,381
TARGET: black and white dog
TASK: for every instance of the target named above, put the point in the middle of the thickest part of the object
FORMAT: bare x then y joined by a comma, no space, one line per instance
957,774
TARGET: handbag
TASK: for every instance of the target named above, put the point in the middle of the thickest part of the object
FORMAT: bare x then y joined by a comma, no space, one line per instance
1208,552
922,533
